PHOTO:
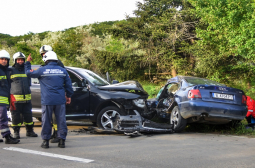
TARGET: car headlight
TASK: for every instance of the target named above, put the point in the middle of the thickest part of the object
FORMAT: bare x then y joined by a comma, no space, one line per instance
139,103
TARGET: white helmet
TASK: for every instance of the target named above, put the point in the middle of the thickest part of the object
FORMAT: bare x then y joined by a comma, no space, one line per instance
18,55
50,55
4,54
45,48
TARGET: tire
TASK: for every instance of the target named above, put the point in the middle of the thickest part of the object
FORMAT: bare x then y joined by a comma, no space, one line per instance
177,120
39,119
106,116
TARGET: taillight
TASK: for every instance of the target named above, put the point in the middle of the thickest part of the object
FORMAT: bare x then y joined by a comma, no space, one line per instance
194,94
244,99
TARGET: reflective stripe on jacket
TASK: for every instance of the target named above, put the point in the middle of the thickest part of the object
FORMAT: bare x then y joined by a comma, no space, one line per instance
20,85
4,87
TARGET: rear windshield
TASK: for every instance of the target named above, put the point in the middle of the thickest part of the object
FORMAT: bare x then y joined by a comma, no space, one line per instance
202,81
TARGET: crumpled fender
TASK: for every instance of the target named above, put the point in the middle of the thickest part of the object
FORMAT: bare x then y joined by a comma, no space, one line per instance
135,124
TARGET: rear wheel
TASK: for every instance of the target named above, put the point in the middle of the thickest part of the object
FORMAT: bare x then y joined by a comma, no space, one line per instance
106,117
177,120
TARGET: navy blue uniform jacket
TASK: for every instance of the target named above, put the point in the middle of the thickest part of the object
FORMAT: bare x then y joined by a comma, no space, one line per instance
54,82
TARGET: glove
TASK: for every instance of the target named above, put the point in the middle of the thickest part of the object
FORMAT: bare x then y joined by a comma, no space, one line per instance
12,104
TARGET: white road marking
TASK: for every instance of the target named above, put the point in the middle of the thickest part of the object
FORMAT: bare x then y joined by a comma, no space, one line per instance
49,154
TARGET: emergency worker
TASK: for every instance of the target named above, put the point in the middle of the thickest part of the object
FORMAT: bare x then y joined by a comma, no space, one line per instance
46,48
4,97
20,105
250,105
54,136
55,83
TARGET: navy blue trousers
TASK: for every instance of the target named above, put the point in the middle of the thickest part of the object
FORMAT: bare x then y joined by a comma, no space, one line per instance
60,114
4,121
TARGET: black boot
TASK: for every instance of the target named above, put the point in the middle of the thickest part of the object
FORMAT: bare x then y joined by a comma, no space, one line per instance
16,132
61,143
10,140
55,137
30,131
1,140
45,144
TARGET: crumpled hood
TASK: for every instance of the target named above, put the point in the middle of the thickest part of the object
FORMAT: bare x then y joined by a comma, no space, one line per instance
127,86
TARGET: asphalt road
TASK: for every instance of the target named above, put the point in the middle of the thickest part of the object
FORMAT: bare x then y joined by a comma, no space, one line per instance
117,150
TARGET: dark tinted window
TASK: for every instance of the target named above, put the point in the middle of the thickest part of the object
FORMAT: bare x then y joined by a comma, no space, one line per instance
76,82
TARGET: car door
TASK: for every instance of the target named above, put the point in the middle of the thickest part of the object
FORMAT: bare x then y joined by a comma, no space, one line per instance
35,93
79,107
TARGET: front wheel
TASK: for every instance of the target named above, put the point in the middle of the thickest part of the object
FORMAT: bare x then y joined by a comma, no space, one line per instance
106,116
177,120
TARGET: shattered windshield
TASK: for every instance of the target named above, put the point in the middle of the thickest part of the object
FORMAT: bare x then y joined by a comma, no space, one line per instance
159,93
93,78
202,81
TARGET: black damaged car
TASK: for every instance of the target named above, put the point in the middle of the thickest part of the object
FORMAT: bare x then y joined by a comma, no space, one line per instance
95,99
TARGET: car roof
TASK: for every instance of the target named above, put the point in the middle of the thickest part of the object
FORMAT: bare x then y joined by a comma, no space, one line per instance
179,78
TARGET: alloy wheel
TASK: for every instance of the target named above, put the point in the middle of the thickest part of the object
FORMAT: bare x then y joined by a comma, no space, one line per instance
106,119
175,117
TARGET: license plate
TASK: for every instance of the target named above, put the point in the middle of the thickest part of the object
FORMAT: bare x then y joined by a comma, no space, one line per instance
223,96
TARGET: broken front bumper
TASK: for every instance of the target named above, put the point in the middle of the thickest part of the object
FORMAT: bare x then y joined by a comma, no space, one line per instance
134,124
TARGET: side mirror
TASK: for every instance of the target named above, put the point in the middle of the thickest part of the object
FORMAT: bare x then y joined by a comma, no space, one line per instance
115,81
83,82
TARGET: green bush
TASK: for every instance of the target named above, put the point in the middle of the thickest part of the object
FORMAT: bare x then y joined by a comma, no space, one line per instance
151,88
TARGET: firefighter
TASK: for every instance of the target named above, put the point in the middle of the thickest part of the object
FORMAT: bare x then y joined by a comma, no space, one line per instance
4,97
54,136
21,97
55,83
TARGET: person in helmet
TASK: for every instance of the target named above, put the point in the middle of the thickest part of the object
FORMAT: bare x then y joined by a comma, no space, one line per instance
4,97
46,48
54,137
21,97
56,91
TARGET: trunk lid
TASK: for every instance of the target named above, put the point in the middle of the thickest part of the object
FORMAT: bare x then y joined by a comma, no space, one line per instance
221,94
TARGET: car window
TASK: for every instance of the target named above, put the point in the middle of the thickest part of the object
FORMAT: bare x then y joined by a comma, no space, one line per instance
201,81
35,81
93,78
76,82
172,88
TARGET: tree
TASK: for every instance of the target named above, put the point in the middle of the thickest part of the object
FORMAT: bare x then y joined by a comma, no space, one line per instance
162,28
226,34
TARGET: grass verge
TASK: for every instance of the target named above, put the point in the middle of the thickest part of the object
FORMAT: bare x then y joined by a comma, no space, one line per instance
226,129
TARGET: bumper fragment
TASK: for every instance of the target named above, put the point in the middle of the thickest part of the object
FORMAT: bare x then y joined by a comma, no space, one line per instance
135,124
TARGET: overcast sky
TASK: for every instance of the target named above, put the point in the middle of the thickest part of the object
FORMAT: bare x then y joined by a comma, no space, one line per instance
18,17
